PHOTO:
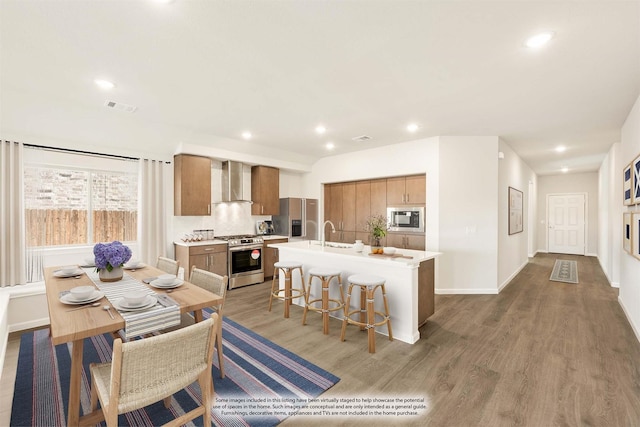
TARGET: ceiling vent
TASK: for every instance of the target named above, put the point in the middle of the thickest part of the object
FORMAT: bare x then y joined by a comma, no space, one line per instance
120,106
362,138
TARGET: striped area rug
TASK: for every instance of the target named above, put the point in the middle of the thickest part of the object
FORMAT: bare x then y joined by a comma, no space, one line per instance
260,377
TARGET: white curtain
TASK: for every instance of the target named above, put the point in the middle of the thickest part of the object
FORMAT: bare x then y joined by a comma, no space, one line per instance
152,216
12,242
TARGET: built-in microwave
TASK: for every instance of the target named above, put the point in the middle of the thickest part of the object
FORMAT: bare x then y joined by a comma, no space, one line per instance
406,219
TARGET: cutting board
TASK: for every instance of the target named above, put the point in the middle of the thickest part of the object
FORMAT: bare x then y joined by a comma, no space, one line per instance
391,256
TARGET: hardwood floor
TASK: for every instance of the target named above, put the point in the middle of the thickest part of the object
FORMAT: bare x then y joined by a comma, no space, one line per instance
540,353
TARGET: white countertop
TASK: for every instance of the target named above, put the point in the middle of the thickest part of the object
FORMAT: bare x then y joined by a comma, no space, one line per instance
200,243
347,250
223,242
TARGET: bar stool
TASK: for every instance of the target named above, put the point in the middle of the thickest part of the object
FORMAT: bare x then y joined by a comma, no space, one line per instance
290,293
368,285
325,275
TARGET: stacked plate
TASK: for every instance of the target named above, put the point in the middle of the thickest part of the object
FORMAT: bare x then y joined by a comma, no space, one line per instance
69,299
68,272
133,265
164,285
123,305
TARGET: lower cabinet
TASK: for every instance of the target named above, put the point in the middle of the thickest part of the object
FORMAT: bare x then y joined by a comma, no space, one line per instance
270,257
207,257
406,241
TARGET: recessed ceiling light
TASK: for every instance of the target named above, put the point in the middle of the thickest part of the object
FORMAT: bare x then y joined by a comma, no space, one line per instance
330,145
104,84
246,135
539,40
561,148
412,127
321,129
565,169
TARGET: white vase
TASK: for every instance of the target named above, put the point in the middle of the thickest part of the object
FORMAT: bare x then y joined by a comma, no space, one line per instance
359,246
110,276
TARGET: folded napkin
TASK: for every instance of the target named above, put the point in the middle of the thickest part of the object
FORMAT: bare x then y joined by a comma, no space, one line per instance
137,322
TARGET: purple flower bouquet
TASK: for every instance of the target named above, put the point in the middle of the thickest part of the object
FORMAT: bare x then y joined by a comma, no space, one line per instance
111,255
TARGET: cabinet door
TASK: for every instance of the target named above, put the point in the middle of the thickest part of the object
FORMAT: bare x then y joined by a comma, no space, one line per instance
379,197
349,207
347,236
192,185
335,213
395,191
413,241
395,240
218,263
363,206
416,190
200,261
265,190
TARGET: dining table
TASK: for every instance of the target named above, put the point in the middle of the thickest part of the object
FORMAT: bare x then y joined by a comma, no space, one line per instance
71,324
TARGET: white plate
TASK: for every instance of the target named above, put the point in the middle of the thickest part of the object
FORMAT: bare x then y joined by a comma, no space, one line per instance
59,273
174,284
68,299
137,267
121,305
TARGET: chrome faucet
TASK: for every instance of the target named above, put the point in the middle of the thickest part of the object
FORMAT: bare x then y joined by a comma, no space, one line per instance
333,230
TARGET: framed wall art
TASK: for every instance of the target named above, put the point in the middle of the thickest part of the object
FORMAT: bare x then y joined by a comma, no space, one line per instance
627,174
515,211
635,234
626,231
635,181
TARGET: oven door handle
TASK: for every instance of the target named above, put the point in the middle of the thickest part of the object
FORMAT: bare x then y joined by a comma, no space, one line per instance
245,248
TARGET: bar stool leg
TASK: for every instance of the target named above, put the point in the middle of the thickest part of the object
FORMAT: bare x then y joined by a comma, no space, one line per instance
287,292
363,306
276,275
386,312
325,305
371,319
306,301
346,313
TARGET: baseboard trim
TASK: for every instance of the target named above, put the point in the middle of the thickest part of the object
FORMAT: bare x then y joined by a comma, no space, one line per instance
510,278
466,292
626,313
4,327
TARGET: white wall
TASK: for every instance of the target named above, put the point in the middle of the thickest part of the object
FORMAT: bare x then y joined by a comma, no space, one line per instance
468,220
513,250
610,215
629,296
570,183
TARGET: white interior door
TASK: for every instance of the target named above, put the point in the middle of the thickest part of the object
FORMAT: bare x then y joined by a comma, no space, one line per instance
566,221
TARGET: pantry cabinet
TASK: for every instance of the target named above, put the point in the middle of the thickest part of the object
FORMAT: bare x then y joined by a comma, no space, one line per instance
340,209
192,185
270,257
265,190
206,257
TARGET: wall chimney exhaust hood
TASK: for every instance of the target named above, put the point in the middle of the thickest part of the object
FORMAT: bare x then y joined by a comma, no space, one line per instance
232,182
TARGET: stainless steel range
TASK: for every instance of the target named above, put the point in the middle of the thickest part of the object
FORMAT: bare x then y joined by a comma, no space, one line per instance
245,260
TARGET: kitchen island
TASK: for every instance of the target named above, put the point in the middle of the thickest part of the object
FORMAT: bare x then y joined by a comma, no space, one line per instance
409,279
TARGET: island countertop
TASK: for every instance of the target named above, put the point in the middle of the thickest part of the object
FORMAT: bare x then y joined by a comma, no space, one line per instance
409,282
409,257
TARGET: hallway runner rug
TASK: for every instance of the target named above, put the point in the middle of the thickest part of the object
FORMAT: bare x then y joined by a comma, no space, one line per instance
257,371
565,271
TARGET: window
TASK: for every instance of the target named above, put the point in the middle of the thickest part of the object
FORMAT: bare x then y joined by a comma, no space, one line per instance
72,199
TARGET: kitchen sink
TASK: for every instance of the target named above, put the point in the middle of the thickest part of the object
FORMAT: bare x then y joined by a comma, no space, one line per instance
334,244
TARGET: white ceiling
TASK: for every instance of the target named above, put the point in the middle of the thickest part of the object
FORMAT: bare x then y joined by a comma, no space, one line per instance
201,72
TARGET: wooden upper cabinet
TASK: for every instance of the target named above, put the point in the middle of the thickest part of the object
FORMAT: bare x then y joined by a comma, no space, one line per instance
363,205
192,185
348,209
409,190
265,190
379,197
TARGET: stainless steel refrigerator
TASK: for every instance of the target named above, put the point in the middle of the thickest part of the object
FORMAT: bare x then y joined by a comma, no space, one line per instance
298,219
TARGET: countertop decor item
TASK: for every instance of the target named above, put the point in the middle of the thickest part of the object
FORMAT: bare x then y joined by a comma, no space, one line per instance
358,246
110,257
377,226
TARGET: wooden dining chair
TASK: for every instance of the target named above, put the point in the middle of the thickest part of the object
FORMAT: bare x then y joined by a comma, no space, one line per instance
168,265
216,284
146,371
